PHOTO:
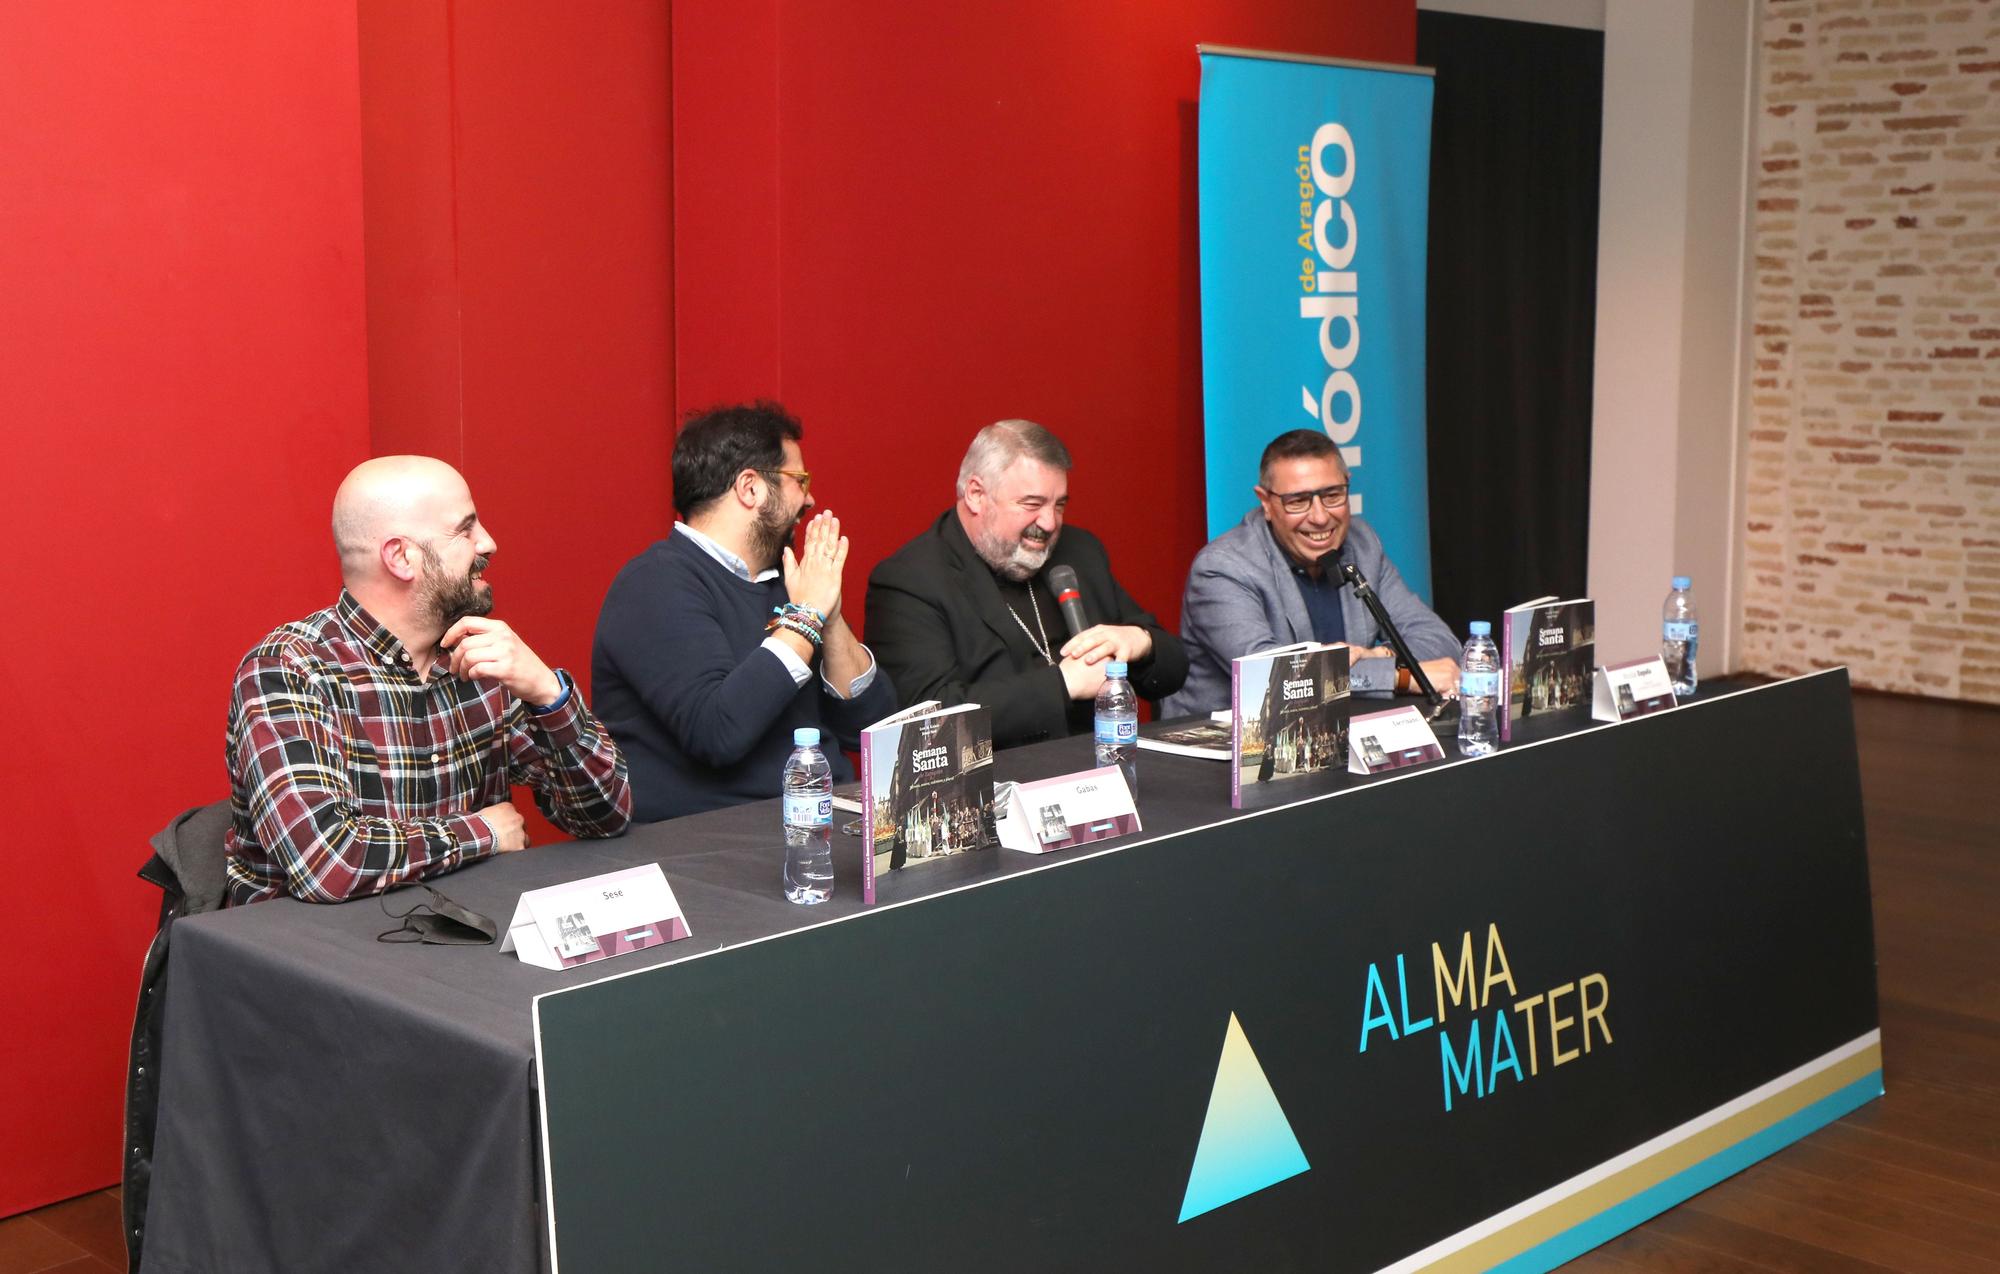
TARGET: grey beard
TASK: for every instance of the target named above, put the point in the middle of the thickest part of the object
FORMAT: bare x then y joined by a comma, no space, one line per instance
1023,563
1015,560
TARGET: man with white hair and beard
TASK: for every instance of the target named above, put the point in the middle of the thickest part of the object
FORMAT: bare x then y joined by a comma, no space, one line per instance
376,742
703,665
964,612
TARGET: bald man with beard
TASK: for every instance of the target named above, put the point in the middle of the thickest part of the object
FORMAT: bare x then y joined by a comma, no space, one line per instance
376,742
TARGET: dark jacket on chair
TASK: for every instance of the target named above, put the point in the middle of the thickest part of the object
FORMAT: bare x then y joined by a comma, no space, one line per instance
187,865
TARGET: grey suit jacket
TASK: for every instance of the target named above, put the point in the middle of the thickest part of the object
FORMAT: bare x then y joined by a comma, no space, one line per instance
1241,599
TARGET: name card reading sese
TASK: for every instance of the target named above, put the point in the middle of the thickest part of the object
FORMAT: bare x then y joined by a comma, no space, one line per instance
562,926
1620,692
1070,809
1381,741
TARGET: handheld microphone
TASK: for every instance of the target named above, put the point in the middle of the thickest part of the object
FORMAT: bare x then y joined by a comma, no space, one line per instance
1069,597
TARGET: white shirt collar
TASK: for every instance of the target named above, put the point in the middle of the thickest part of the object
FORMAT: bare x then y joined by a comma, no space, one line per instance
735,565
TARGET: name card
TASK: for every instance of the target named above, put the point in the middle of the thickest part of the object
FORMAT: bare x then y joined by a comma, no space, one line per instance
1065,811
1621,692
562,926
1382,741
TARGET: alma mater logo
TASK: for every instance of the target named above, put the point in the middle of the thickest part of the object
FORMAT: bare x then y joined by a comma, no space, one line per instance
1246,1141
1247,1144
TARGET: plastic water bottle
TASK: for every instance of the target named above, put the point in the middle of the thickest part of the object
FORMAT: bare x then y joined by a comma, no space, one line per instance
1479,693
1118,724
808,820
1680,635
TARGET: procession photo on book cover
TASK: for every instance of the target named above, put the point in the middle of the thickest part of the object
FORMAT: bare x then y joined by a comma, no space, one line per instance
931,786
1289,715
1549,651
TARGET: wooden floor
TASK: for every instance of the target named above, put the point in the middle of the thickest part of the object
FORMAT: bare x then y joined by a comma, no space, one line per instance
1910,1182
80,1236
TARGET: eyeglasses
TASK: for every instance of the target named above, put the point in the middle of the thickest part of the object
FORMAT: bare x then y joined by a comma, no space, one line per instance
1300,501
802,476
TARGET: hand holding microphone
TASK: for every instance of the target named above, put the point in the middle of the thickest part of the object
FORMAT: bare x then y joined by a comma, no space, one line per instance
1092,644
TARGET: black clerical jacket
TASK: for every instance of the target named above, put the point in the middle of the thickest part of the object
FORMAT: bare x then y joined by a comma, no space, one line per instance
938,624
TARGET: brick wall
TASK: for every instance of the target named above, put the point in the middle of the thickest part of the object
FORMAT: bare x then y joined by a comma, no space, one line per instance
1872,511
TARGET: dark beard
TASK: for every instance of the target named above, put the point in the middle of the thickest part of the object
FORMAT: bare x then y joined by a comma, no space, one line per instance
452,599
772,532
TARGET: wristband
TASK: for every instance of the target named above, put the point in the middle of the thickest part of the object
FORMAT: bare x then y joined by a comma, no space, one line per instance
797,625
1402,680
562,679
800,624
817,616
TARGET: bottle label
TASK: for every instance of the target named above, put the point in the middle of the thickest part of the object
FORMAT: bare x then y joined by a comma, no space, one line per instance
1680,629
807,809
1484,684
1112,732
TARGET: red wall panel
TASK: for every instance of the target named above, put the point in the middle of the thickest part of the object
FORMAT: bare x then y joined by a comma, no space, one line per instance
409,205
727,251
519,265
182,382
959,214
565,269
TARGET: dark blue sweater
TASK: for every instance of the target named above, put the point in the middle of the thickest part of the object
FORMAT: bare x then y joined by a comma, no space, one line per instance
703,714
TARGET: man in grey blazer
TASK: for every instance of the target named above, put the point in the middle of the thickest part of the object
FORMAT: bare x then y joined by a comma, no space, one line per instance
1275,579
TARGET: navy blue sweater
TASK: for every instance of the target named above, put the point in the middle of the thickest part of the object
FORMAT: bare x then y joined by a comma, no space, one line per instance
703,714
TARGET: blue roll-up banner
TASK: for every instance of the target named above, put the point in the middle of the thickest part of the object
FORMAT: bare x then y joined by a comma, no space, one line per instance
1315,199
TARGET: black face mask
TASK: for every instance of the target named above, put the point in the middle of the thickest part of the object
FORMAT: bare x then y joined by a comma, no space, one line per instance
438,922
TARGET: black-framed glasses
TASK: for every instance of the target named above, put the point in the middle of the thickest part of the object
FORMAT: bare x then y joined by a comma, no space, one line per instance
1299,501
438,922
803,476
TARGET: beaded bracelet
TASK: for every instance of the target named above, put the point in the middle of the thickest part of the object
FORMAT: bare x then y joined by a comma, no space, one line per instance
812,613
804,616
797,624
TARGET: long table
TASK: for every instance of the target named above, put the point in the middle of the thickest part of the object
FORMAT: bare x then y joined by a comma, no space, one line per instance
1265,1039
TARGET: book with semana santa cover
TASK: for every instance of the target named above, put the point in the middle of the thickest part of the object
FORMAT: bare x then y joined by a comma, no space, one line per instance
1548,649
926,788
1286,720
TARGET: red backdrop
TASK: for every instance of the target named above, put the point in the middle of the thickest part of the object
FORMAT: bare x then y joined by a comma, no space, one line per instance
910,220
518,199
182,380
244,246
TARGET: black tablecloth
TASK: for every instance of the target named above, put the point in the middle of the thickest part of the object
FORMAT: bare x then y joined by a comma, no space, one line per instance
329,1102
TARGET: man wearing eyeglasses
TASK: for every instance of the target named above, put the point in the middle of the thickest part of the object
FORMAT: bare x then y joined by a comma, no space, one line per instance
706,647
1275,579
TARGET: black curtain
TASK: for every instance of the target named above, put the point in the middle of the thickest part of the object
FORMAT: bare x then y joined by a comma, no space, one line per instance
1512,308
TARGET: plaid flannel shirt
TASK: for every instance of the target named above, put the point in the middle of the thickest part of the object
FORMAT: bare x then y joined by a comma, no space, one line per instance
349,775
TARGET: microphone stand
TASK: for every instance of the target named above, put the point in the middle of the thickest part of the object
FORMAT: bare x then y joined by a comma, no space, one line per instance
1404,658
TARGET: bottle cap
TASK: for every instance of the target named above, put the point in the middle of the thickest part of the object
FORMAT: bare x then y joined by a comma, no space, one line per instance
1682,581
805,737
1479,628
1114,668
